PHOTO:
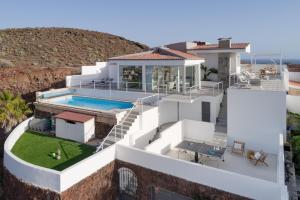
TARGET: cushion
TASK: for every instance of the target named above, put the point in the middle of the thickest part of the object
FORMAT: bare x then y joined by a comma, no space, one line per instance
257,155
237,146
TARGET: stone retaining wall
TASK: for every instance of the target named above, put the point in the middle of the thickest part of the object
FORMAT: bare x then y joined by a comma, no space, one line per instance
99,185
148,178
14,189
103,184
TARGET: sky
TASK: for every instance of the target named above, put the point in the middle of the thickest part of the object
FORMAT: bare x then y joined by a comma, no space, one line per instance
270,26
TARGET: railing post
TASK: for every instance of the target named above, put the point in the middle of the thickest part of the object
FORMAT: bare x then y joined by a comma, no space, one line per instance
126,86
141,113
80,84
166,89
94,85
109,88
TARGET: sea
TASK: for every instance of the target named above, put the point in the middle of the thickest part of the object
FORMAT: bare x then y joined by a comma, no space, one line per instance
268,61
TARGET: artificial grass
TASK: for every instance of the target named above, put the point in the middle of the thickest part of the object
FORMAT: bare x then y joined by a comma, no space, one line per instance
37,149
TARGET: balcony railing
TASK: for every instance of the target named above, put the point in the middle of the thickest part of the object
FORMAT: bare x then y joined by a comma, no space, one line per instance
206,88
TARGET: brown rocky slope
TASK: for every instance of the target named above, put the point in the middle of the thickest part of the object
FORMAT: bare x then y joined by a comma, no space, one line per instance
33,59
61,46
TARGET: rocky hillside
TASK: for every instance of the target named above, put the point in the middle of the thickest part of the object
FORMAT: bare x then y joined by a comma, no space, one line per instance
27,80
61,47
33,59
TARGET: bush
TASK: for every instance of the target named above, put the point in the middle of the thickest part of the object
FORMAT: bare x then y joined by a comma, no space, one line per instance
296,153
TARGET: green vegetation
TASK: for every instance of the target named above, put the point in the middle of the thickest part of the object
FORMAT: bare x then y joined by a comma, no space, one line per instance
296,152
207,72
293,122
38,149
13,110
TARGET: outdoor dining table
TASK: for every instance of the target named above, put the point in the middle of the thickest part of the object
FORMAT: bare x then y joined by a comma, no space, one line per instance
203,148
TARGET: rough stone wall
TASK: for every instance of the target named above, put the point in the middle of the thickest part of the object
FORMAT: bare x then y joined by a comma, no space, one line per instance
15,189
103,184
42,114
102,129
100,185
148,178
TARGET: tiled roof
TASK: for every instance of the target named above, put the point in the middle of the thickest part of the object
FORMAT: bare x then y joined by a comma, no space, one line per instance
294,83
294,67
183,54
216,46
158,54
76,117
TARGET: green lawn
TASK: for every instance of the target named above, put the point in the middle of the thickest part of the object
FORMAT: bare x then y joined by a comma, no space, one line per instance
38,148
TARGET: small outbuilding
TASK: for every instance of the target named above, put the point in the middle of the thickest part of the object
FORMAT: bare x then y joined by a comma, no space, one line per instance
75,126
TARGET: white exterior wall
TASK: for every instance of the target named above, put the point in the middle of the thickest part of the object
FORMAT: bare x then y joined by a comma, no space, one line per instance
80,132
27,172
293,103
168,110
256,118
86,167
232,182
198,130
170,138
100,67
205,175
77,80
294,76
48,178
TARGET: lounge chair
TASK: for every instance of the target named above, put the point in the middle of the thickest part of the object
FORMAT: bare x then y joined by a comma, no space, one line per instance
238,147
257,157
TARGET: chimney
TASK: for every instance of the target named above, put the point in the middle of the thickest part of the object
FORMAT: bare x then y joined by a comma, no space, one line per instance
225,43
200,43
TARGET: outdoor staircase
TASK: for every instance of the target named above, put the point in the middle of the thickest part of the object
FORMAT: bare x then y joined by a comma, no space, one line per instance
119,130
221,125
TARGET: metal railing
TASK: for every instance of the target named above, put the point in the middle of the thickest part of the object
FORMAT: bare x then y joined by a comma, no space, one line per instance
113,131
138,104
159,88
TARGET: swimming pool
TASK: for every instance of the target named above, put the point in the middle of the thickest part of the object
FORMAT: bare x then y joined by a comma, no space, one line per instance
93,103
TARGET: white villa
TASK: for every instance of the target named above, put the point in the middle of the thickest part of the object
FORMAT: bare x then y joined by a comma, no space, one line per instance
160,131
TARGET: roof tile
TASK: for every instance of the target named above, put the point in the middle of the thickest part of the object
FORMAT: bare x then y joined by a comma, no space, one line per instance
72,116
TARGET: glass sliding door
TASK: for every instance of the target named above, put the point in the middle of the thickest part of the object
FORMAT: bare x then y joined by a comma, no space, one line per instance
131,77
190,76
162,78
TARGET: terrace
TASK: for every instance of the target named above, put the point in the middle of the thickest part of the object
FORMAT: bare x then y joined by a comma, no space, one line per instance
233,163
258,77
199,133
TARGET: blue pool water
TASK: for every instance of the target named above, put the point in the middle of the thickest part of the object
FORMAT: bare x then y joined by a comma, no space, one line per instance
93,103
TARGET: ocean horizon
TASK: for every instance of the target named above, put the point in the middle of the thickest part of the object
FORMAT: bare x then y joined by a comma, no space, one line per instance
268,61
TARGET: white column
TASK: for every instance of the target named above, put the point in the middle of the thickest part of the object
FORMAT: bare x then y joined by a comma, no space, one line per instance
198,74
144,77
178,79
184,77
118,76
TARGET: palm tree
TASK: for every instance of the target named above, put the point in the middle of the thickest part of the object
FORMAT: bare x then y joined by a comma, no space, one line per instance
13,110
207,72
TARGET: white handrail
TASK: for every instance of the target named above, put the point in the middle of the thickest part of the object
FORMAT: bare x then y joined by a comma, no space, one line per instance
140,101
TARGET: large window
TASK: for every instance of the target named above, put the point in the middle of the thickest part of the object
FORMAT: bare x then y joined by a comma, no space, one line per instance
131,77
162,78
190,76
